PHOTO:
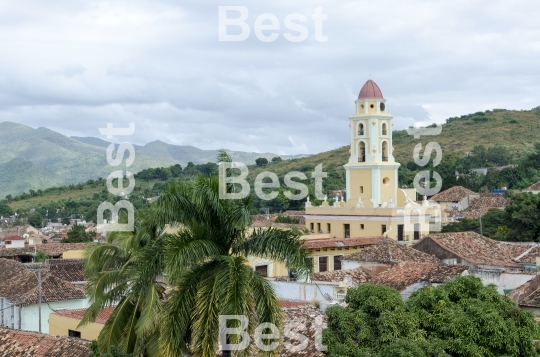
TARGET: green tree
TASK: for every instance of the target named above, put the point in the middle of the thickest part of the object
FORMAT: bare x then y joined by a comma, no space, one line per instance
35,219
40,256
523,217
205,262
207,265
77,234
126,272
5,210
459,318
277,159
261,161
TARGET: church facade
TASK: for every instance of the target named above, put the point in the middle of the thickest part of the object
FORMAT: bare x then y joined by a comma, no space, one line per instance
374,205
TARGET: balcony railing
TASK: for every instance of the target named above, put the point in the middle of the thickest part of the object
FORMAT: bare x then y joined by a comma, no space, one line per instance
385,158
340,296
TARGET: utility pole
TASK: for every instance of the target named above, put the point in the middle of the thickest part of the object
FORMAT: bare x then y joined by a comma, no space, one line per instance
37,268
39,298
481,224
20,314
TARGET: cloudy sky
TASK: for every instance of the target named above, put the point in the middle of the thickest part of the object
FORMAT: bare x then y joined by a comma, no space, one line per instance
73,66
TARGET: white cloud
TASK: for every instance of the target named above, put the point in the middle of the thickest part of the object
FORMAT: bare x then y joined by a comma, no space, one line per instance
74,66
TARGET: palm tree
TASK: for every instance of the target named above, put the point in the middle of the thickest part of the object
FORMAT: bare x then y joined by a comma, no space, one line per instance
206,265
125,272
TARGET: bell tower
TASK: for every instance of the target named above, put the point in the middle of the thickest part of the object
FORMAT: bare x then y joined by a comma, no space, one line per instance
371,173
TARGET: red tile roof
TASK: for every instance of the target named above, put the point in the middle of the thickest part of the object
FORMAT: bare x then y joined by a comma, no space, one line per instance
534,187
527,294
358,276
67,269
15,343
14,238
51,249
19,283
338,243
473,247
404,274
453,194
390,251
78,314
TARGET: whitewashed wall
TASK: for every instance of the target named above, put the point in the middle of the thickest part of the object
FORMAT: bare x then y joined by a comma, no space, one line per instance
293,290
9,317
501,279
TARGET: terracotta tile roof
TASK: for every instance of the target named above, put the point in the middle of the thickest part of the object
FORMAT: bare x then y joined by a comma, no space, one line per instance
358,276
15,343
404,274
527,294
474,248
304,319
534,187
529,256
51,249
14,238
345,242
489,200
67,269
294,318
17,282
453,194
292,303
518,249
390,251
78,314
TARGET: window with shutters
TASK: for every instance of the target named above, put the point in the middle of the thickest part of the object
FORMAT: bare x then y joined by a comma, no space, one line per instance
337,262
323,264
262,269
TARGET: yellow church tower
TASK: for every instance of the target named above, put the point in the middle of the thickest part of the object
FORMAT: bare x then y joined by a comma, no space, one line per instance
374,205
371,173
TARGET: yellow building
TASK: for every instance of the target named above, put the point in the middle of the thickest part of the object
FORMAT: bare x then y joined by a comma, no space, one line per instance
66,322
374,204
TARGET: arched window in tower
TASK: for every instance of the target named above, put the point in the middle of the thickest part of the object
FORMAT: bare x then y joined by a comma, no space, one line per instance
384,131
361,152
360,129
384,151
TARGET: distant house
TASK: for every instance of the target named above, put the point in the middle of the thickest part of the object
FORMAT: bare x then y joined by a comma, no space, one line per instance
534,188
407,277
527,296
488,259
19,296
481,204
455,198
385,254
13,242
66,323
52,250
14,343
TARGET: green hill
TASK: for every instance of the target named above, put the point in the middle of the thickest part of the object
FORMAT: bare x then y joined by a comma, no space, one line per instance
517,131
52,159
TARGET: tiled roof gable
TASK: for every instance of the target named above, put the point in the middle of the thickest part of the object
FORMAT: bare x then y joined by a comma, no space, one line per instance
15,343
390,251
453,194
404,274
474,248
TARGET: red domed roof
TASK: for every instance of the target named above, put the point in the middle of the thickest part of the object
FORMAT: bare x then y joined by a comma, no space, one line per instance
370,90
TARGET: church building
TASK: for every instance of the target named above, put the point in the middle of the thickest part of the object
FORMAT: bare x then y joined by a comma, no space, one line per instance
374,205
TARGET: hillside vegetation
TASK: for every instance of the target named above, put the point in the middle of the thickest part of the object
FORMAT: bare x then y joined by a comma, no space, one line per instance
490,138
40,158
